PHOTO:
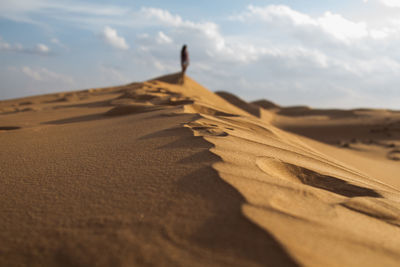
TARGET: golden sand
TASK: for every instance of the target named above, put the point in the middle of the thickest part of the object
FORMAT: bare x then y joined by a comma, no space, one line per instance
164,174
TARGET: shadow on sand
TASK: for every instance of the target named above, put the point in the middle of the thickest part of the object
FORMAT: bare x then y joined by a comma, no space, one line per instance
224,229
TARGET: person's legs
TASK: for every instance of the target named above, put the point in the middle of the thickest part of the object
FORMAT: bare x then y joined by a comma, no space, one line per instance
184,67
182,78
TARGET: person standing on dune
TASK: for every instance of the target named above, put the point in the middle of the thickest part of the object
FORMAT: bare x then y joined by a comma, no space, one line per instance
184,59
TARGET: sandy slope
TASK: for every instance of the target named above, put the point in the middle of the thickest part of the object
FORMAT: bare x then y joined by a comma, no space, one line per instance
366,137
159,173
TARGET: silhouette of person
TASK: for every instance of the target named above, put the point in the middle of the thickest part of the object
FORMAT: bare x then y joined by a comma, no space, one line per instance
184,59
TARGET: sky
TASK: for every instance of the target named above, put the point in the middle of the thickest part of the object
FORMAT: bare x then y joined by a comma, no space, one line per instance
328,54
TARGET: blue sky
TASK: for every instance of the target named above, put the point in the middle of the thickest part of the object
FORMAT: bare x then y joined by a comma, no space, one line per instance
342,54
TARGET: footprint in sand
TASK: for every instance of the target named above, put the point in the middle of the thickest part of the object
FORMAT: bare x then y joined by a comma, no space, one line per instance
210,131
206,129
295,173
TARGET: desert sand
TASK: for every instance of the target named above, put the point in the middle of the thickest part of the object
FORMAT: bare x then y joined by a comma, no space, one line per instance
161,173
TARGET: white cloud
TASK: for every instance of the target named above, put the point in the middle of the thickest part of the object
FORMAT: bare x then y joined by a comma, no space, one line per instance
31,73
58,43
40,49
277,12
44,75
159,65
341,28
332,25
391,3
4,45
162,38
163,16
110,36
204,36
24,10
87,9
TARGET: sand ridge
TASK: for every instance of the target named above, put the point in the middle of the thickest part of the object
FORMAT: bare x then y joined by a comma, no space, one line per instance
314,205
165,173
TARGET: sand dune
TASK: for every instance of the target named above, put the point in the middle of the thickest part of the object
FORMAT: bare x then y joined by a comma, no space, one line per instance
248,107
165,173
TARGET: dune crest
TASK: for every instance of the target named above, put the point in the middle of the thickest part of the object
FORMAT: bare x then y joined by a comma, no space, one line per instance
165,173
305,199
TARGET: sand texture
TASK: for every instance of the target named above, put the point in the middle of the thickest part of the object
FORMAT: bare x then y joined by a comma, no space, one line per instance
161,173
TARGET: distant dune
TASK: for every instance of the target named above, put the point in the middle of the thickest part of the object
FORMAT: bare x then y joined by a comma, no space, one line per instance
161,173
265,104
